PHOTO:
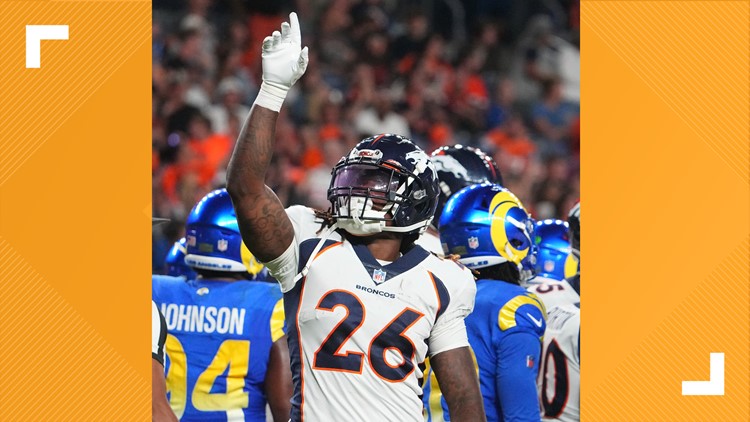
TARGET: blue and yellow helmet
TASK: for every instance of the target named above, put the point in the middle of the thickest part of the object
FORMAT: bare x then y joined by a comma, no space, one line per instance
213,237
554,258
175,261
487,225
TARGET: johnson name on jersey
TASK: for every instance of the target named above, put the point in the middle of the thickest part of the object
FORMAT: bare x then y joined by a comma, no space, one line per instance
560,375
357,324
220,337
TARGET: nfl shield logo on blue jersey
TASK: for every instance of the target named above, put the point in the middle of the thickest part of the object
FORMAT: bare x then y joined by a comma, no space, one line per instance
378,276
529,361
222,245
473,242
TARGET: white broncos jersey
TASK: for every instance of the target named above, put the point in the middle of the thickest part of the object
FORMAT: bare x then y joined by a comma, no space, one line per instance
559,382
358,329
556,293
306,224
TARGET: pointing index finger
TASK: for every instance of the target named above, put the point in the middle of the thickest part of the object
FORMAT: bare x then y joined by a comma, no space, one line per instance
295,32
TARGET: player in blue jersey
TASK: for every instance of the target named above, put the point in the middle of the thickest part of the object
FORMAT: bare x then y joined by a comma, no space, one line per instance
457,166
554,261
175,261
491,232
226,351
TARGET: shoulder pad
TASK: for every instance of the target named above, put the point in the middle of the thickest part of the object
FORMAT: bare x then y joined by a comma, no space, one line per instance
524,311
166,279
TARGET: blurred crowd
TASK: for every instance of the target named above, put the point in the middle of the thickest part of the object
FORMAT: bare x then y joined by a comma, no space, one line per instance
501,75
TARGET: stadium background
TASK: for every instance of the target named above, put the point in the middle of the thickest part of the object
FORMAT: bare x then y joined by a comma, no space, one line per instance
500,75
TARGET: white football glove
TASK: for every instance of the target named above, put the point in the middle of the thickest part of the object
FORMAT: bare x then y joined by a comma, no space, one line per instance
284,61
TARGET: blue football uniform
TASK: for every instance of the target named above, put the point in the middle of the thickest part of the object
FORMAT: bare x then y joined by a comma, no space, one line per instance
505,331
217,350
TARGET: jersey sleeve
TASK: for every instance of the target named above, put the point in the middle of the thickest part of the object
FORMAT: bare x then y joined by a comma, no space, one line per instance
284,268
517,367
449,331
277,321
158,333
524,312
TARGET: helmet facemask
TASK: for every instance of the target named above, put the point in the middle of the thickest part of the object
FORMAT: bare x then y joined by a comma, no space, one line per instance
366,196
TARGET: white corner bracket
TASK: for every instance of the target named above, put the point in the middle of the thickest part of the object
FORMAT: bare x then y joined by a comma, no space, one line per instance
714,386
34,36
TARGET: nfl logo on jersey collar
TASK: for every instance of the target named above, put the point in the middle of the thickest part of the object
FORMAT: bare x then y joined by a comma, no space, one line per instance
378,276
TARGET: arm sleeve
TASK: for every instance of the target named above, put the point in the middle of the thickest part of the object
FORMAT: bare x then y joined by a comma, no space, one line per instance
449,331
285,267
158,333
517,367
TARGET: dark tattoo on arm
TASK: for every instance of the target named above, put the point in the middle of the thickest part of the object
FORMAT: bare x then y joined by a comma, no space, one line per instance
459,384
264,225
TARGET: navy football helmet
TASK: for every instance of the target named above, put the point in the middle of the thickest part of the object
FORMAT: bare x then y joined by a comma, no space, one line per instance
574,221
460,166
554,258
175,261
213,237
386,183
487,225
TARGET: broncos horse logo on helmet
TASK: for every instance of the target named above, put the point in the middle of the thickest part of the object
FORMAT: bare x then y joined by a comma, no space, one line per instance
460,166
574,233
385,183
213,238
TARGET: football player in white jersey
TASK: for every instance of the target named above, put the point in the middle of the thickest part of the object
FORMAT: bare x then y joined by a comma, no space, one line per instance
365,312
457,167
559,382
310,223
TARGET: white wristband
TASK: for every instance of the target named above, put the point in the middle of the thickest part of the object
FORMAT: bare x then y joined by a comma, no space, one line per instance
271,96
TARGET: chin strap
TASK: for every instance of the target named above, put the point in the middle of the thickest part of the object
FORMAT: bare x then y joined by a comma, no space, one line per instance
318,247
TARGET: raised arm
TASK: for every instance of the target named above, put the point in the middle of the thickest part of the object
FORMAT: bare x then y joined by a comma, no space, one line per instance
265,228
